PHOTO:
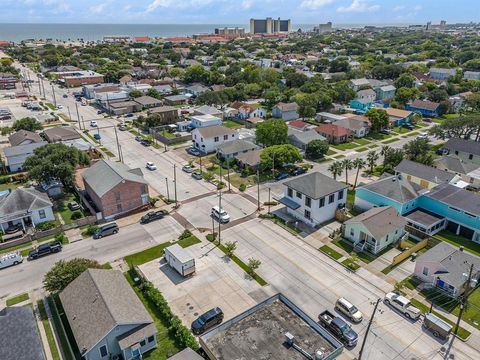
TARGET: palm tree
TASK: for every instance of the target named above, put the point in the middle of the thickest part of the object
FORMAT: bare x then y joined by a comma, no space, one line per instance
372,158
385,150
359,164
347,165
336,169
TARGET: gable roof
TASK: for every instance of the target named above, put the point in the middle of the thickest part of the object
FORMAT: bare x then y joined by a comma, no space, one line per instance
397,113
304,136
424,104
455,164
333,130
467,146
105,175
366,92
456,197
207,110
251,158
236,146
287,106
353,123
59,133
19,337
22,149
147,100
424,172
22,135
215,130
22,201
380,221
97,301
298,124
395,187
315,185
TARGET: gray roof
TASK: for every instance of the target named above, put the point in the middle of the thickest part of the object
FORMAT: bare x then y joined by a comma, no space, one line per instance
215,130
359,82
22,149
147,100
186,354
287,106
96,302
424,218
395,187
162,109
424,172
365,92
22,135
23,201
304,136
19,337
59,133
352,123
454,261
455,164
456,197
467,146
251,158
315,185
105,175
122,104
236,146
448,71
207,110
380,221
136,335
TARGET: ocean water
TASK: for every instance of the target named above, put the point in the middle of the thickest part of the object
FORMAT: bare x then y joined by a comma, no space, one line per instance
93,32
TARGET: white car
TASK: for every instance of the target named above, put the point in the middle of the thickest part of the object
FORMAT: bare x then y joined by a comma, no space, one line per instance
188,169
151,166
93,123
422,136
403,305
220,214
10,259
59,107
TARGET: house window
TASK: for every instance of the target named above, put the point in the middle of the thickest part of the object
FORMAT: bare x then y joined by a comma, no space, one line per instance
308,201
119,207
340,195
103,351
470,157
117,196
41,214
425,271
331,198
151,339
322,202
299,195
144,189
215,139
225,137
352,232
307,214
456,152
201,139
233,135
143,343
289,192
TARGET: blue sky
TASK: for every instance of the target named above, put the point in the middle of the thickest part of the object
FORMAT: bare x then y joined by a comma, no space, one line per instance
237,11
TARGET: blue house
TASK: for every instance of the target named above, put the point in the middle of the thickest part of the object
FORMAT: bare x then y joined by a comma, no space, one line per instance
430,210
424,107
386,92
361,105
398,117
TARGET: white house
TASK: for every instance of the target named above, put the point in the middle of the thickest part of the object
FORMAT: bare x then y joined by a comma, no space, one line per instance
313,198
242,111
208,139
200,121
17,155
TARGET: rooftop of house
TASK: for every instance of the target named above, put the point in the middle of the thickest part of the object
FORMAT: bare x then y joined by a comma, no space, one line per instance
251,158
423,217
162,109
353,123
19,337
457,198
147,100
455,164
97,301
122,104
467,146
395,187
259,333
388,88
104,175
59,133
207,110
22,201
18,137
380,221
304,136
315,185
205,118
186,354
22,149
424,172
397,113
333,130
236,146
443,71
424,104
359,82
365,92
212,131
248,108
287,106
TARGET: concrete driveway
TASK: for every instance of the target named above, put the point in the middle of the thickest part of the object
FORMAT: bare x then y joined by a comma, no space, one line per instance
217,282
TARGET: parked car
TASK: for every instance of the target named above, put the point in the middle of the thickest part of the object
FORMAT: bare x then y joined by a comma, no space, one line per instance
193,151
386,131
129,115
298,171
438,327
208,320
151,166
45,249
339,328
220,214
281,176
65,96
146,142
10,259
427,120
422,136
151,216
187,168
439,151
197,175
93,123
106,230
408,126
138,138
73,206
100,112
403,305
122,128
97,136
59,106
347,308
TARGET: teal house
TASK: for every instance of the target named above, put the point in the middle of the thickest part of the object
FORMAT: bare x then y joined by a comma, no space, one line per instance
361,105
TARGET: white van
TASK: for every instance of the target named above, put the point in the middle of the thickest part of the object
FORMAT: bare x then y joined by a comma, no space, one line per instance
10,259
347,308
220,214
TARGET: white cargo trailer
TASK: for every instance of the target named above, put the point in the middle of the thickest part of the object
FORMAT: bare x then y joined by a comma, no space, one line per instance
178,258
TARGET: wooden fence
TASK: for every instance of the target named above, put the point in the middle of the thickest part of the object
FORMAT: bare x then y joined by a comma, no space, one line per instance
407,253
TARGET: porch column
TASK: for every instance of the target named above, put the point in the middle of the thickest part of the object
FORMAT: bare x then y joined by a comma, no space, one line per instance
458,230
1,226
23,224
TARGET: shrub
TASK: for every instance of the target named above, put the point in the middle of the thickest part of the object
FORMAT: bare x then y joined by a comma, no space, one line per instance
76,215
46,225
242,187
220,185
185,234
61,237
253,264
211,237
91,229
230,247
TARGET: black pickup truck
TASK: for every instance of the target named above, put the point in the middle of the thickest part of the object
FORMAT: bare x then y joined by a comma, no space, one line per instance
45,249
339,328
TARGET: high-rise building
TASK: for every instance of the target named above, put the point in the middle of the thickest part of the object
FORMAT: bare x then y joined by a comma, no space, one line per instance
230,32
270,26
323,28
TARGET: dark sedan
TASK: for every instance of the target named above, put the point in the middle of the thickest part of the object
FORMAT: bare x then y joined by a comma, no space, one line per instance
151,216
281,176
298,171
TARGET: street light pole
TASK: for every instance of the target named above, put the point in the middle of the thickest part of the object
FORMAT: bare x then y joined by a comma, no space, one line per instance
258,189
168,192
368,329
220,210
175,182
54,98
78,116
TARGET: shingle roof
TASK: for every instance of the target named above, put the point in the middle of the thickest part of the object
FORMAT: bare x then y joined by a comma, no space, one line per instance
287,106
59,133
22,149
380,221
395,187
424,172
304,136
22,201
424,104
235,146
397,113
105,175
315,185
467,146
97,301
455,164
186,354
207,110
333,130
456,197
251,158
19,337
215,130
22,135
147,100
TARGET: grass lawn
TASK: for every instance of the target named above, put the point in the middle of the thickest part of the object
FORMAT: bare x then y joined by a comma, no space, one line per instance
458,240
362,149
373,146
231,124
471,314
12,185
389,141
236,180
437,121
165,342
64,210
107,152
378,136
365,257
331,152
346,146
351,264
87,134
350,197
58,326
17,299
450,116
48,331
66,326
339,156
167,134
400,130
362,141
329,251
49,105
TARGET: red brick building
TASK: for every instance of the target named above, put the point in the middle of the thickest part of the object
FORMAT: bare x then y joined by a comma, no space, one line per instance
115,189
335,134
79,78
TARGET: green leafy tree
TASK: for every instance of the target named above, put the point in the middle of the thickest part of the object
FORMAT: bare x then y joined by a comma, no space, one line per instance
316,149
279,155
153,93
465,127
65,271
336,168
392,158
28,123
272,132
418,150
135,93
230,247
372,157
405,80
403,95
196,73
378,118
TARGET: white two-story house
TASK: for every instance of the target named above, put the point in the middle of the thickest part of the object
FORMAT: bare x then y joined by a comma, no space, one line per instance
313,198
198,121
208,139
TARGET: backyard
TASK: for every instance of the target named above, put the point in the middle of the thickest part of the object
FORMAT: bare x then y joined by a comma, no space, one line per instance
457,241
65,212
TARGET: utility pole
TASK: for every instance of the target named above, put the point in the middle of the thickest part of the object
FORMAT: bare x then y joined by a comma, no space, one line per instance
43,87
269,199
273,167
168,192
69,114
39,88
118,145
54,98
228,175
78,116
368,329
175,182
201,164
258,189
